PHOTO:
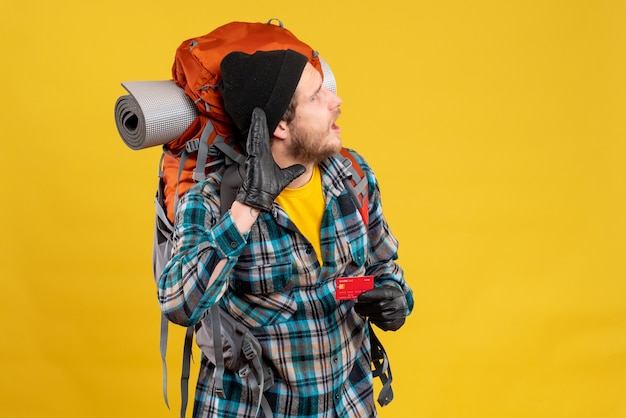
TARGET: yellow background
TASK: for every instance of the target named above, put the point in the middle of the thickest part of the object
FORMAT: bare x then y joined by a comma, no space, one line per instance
496,129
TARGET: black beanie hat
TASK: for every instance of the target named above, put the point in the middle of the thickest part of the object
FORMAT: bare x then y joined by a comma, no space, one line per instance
265,79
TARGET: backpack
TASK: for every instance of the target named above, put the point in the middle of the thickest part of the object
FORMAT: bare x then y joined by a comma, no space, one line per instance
196,70
202,142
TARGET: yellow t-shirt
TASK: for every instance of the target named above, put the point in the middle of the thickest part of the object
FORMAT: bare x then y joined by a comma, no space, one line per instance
305,207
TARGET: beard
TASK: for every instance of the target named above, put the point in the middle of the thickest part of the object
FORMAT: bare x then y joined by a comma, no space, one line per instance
312,146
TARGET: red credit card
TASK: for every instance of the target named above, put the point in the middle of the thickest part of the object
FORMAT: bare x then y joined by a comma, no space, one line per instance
349,288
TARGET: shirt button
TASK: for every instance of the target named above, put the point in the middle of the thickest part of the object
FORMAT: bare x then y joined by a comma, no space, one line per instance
335,360
233,244
309,250
337,396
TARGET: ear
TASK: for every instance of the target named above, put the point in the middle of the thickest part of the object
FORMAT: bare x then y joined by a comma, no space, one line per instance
282,130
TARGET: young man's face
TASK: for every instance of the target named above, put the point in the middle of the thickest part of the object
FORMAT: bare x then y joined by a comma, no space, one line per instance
313,132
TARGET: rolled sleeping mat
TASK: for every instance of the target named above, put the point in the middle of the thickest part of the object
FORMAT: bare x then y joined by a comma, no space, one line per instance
329,77
154,113
158,112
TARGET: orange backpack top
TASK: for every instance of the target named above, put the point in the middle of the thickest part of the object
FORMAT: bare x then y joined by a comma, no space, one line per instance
196,69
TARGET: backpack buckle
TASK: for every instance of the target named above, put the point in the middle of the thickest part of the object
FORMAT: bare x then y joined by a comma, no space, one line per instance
244,371
248,350
192,145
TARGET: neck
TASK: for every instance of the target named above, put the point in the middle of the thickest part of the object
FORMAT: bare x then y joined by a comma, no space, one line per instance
284,161
303,179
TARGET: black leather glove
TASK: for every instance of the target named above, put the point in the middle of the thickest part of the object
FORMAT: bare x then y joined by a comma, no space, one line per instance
385,306
264,178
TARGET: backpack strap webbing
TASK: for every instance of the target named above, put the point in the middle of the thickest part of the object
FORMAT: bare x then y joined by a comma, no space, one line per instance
203,152
356,184
186,368
163,350
381,369
219,354
162,245
244,346
228,150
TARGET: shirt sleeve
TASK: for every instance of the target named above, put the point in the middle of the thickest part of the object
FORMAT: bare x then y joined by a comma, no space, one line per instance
202,238
383,250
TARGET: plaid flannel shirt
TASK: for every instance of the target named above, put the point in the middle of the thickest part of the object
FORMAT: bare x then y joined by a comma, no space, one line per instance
272,282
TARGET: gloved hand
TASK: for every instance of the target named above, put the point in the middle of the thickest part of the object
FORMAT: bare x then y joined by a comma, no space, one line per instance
264,178
385,306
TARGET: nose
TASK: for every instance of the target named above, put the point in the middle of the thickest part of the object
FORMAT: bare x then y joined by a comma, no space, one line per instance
334,100
339,100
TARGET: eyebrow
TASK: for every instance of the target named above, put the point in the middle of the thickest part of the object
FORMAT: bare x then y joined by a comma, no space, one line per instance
308,96
318,89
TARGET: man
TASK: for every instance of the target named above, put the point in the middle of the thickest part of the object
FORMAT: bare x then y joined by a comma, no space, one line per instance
273,259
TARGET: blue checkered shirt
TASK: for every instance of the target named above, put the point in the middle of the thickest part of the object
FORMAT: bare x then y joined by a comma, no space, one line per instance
317,347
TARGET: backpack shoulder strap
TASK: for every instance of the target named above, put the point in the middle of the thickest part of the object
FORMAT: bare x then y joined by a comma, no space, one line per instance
381,368
356,184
